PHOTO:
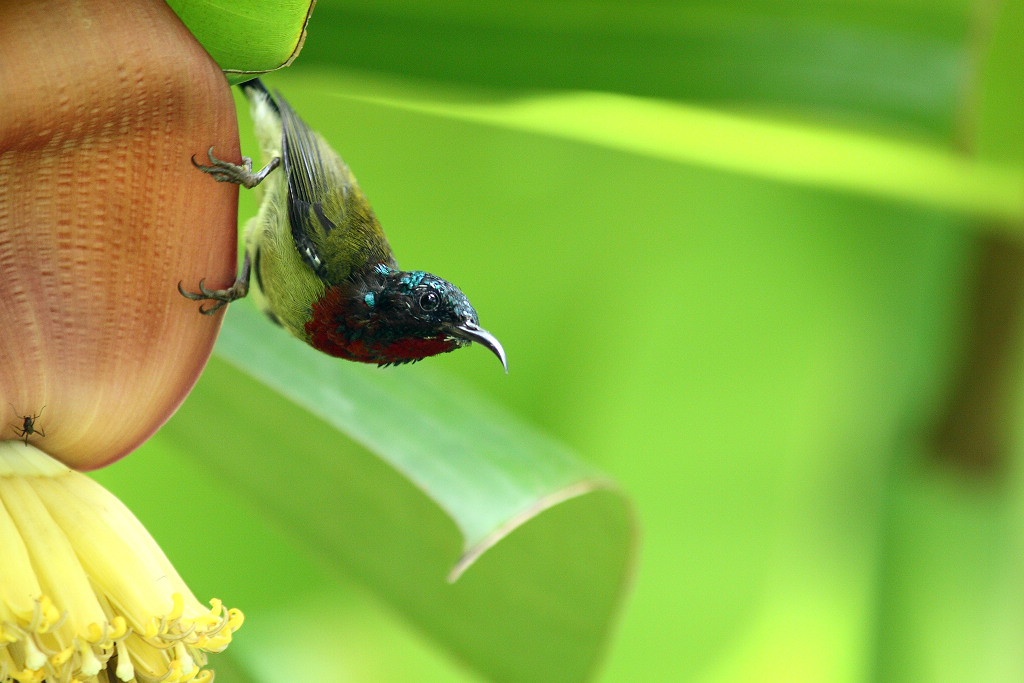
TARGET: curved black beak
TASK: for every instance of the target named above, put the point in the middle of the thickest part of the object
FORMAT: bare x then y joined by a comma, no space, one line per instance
470,331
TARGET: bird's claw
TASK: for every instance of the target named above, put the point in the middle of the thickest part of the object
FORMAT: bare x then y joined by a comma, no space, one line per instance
221,296
227,172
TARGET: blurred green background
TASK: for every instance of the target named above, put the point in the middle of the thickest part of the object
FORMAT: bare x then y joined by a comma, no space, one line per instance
741,280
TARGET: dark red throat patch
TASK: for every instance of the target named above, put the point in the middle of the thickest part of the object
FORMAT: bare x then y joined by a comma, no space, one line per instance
333,330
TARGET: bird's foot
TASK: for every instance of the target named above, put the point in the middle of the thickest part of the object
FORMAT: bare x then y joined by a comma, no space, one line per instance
221,296
227,172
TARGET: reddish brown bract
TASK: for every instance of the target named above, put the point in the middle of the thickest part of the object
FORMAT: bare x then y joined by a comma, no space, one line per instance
101,214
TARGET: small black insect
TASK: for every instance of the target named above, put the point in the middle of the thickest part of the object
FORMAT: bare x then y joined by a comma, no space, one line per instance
28,427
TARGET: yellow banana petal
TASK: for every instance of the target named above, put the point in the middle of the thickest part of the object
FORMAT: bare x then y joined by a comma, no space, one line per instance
83,582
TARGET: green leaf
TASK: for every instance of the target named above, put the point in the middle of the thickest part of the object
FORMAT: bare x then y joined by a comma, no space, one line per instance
406,480
896,61
247,37
768,147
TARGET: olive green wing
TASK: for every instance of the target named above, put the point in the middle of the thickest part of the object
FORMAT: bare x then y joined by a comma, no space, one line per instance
333,226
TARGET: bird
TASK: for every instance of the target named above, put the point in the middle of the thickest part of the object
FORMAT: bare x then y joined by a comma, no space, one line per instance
321,265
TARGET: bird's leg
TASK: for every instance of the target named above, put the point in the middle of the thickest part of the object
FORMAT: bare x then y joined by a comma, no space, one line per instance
227,172
222,296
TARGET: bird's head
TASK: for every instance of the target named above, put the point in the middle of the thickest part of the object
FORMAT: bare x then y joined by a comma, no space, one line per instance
392,317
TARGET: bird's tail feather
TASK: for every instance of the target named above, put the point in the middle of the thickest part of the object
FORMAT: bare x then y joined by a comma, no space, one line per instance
255,86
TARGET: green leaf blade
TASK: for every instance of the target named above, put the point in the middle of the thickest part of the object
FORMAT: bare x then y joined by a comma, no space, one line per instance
495,467
408,482
247,38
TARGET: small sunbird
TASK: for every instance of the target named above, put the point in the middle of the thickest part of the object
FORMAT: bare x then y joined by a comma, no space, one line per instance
323,268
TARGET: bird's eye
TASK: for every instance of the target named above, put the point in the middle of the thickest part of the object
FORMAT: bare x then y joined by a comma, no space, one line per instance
429,300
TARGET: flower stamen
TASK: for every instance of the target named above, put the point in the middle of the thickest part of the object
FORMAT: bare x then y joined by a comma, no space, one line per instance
125,671
109,604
